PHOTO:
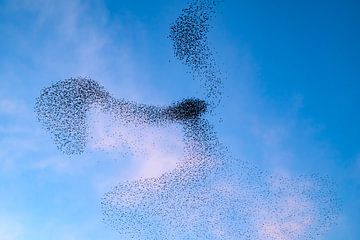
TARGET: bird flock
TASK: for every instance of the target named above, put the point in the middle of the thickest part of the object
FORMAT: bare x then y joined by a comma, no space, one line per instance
209,194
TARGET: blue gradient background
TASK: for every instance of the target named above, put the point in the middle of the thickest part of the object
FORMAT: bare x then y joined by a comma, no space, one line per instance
291,97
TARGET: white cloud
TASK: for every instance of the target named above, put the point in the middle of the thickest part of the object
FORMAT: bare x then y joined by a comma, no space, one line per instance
10,228
289,215
273,226
153,150
61,39
11,107
65,39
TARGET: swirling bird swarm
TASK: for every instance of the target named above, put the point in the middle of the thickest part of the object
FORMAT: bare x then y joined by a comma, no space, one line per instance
209,194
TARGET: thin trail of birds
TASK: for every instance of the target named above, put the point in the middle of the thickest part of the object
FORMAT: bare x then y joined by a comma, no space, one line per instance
209,194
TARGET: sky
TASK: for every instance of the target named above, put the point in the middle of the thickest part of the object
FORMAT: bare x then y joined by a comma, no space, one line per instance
290,100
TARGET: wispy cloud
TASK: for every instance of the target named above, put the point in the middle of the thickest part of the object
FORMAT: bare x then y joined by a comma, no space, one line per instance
153,150
61,39
11,228
11,107
286,219
65,39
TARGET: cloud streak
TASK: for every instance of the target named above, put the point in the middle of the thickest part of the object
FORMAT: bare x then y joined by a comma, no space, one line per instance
154,150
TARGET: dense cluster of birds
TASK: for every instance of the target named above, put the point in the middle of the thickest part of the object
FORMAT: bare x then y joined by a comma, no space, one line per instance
209,194
189,36
63,109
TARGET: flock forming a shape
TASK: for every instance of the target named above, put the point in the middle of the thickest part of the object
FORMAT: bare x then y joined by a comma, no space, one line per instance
209,194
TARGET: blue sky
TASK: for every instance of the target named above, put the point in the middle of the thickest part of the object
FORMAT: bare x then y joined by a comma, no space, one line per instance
291,86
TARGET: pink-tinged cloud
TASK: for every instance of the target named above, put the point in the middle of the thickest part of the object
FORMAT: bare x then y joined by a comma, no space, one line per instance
154,150
287,220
